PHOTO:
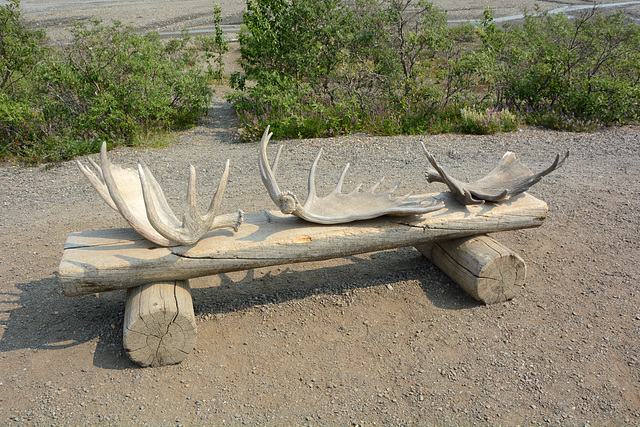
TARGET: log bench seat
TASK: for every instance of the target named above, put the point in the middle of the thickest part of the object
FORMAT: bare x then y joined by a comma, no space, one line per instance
159,325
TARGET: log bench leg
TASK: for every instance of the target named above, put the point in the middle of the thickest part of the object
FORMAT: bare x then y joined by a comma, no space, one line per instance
159,323
484,268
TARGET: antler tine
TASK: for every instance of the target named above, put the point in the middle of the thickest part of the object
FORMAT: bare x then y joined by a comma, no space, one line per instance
266,173
537,177
375,186
274,165
405,197
217,197
433,175
356,190
233,220
192,200
312,177
213,221
96,182
158,201
112,186
97,168
338,189
556,164
152,194
469,200
194,225
394,188
443,177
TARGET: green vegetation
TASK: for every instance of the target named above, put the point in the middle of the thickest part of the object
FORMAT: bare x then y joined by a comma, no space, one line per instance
487,122
109,83
316,68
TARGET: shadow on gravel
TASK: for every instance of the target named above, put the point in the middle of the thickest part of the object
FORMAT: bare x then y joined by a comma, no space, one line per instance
379,269
45,319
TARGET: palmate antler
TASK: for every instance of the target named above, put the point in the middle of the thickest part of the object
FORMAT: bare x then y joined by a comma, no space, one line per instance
337,207
508,179
142,203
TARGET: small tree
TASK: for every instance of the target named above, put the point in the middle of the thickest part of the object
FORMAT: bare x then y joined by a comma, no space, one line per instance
21,49
589,67
109,83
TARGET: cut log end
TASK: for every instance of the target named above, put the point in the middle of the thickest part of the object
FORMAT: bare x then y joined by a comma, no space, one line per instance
159,323
485,269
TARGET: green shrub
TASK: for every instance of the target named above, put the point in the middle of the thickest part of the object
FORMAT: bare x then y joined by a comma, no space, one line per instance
109,83
395,66
331,67
587,68
561,120
21,49
112,83
21,52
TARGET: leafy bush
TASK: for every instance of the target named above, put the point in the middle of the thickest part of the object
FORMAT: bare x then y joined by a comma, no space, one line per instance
327,65
109,83
321,68
21,51
333,67
586,69
114,84
291,51
561,120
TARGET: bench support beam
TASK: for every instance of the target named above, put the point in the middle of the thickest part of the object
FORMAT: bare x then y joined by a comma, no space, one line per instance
159,323
487,270
105,260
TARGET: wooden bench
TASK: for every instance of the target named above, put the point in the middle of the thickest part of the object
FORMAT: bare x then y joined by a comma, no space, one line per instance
159,322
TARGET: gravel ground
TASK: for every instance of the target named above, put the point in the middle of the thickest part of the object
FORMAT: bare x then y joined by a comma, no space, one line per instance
378,338
382,338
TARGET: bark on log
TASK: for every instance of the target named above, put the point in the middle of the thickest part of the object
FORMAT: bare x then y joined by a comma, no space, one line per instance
484,268
159,324
104,260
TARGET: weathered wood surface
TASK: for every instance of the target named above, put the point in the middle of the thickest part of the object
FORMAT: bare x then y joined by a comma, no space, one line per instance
487,270
159,323
98,261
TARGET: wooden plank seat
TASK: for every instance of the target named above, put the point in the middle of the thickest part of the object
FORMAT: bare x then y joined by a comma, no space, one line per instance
159,323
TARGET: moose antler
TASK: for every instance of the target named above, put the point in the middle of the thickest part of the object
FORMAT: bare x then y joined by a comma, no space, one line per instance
337,207
141,202
508,179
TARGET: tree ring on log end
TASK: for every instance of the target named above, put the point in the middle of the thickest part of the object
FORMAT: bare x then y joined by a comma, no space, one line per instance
159,323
